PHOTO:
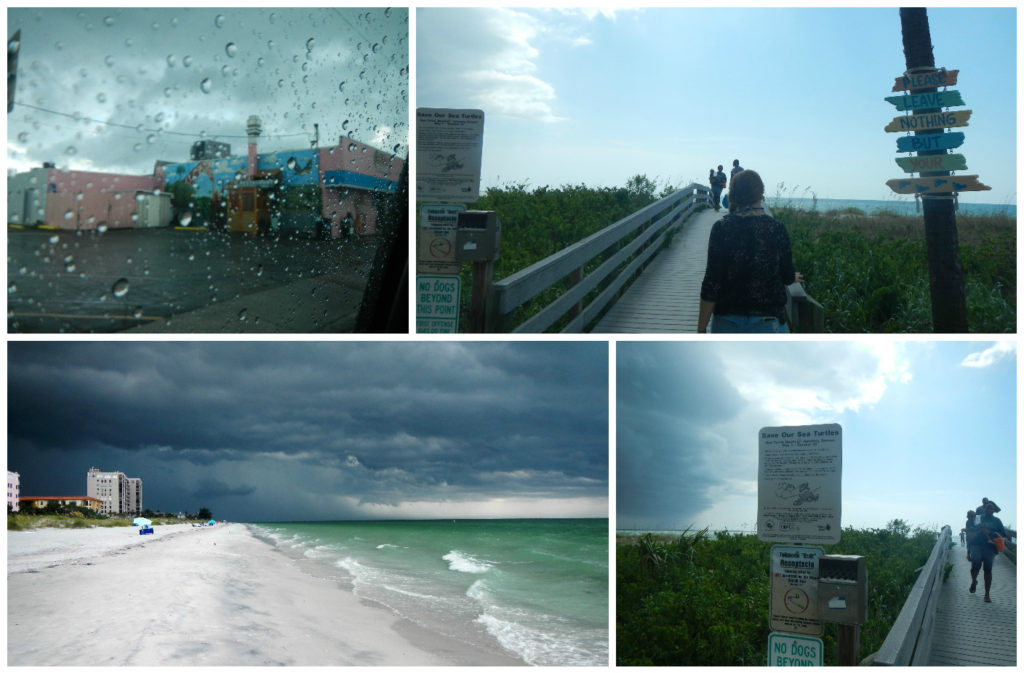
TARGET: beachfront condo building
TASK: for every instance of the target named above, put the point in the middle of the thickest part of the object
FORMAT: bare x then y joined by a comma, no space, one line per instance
69,501
13,490
118,493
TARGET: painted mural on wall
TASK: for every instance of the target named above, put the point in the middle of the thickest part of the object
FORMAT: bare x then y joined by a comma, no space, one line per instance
298,167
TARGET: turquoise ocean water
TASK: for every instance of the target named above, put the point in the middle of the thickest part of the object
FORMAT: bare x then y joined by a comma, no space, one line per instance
904,206
535,588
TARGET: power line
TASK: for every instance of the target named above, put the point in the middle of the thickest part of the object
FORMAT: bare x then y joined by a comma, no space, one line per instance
138,127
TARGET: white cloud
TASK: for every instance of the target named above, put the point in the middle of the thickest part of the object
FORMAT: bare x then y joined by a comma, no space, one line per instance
990,355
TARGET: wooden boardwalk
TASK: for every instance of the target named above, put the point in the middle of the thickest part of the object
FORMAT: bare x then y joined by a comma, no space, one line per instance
666,296
969,631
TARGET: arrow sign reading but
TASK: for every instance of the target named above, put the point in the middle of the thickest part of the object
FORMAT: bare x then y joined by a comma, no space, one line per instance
930,141
934,162
943,185
919,101
929,121
925,80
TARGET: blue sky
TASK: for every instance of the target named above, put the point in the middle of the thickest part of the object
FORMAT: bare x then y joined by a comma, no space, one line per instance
929,427
577,96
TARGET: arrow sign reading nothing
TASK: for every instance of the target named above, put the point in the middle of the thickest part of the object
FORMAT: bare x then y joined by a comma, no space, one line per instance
925,80
929,121
934,162
920,101
930,141
944,185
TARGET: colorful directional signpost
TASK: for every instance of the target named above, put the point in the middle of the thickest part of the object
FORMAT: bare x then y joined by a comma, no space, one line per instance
931,140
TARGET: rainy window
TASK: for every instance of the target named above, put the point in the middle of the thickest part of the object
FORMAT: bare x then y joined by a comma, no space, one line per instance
191,170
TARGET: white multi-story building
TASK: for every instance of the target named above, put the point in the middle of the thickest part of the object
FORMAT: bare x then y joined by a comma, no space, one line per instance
13,490
118,493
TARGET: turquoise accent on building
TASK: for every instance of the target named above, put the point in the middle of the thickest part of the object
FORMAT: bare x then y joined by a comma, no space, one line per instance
358,181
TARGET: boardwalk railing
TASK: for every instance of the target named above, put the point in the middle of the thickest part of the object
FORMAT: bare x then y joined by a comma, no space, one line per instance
909,639
594,263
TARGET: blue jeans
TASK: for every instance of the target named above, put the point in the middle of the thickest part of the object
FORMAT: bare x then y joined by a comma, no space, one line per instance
735,324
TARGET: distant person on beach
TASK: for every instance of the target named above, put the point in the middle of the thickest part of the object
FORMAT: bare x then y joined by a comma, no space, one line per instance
736,168
750,263
984,551
963,537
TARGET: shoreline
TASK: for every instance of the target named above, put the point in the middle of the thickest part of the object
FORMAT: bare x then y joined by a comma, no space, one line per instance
195,596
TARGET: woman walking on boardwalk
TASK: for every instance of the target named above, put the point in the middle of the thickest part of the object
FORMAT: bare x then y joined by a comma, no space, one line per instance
983,548
750,263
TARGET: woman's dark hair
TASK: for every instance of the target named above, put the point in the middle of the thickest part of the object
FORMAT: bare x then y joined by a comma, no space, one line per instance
745,190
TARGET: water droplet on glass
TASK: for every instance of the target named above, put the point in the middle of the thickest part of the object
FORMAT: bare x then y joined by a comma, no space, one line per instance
137,147
291,163
101,228
70,151
351,147
206,85
23,137
396,148
186,219
241,315
280,83
109,60
186,61
150,139
344,125
69,267
120,287
219,21
108,21
137,312
259,270
69,214
170,60
309,44
231,49
101,98
375,48
54,240
259,62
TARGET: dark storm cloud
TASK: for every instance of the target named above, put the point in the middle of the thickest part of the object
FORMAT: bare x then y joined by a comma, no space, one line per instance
378,422
344,69
667,464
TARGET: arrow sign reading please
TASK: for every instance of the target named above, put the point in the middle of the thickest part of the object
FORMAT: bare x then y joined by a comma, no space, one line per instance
925,80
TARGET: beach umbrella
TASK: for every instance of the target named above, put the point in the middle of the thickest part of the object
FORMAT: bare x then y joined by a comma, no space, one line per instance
211,521
140,521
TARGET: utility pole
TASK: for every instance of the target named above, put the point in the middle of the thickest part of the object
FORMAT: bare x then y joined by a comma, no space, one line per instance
946,278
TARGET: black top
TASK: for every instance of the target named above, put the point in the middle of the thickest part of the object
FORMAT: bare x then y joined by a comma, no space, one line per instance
750,263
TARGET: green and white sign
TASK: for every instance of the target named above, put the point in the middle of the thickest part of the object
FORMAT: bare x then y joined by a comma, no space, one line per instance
437,304
789,650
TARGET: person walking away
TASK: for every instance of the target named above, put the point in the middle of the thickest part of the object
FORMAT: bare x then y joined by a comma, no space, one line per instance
971,530
750,263
716,190
963,537
721,179
984,551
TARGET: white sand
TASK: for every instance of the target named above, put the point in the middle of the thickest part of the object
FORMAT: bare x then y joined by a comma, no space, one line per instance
186,596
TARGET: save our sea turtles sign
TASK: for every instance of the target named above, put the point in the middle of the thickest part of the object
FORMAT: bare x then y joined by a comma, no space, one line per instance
934,164
799,483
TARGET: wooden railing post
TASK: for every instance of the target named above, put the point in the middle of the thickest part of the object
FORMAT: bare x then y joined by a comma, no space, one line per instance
483,276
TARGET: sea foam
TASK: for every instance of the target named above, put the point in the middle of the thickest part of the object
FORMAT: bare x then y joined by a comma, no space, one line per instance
464,563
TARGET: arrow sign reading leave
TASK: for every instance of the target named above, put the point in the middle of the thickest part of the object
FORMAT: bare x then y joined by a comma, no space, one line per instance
929,121
919,101
925,80
930,141
935,162
944,185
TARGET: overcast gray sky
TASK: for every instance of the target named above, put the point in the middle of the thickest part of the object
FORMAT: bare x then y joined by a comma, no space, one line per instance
929,427
317,431
111,89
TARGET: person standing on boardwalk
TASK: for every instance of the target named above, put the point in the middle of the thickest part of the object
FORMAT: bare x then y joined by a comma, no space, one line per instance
984,550
750,263
717,185
736,168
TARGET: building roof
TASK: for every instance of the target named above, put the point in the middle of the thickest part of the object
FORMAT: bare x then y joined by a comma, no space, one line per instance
58,497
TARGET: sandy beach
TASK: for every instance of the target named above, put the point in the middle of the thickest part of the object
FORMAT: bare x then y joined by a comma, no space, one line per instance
193,596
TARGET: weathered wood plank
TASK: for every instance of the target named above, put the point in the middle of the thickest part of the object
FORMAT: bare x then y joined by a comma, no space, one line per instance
926,80
921,101
929,121
969,631
943,185
934,162
930,141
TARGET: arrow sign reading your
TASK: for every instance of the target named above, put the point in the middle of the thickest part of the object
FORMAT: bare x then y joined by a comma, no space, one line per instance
934,162
929,121
944,185
918,101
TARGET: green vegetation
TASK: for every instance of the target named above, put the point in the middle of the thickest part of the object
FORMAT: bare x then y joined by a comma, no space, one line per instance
699,600
870,272
68,516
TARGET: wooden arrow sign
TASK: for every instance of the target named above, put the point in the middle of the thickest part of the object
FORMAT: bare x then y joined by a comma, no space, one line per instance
930,141
934,162
944,185
920,101
925,80
929,121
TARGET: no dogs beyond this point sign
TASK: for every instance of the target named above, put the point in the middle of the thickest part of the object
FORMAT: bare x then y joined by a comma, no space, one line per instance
799,483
